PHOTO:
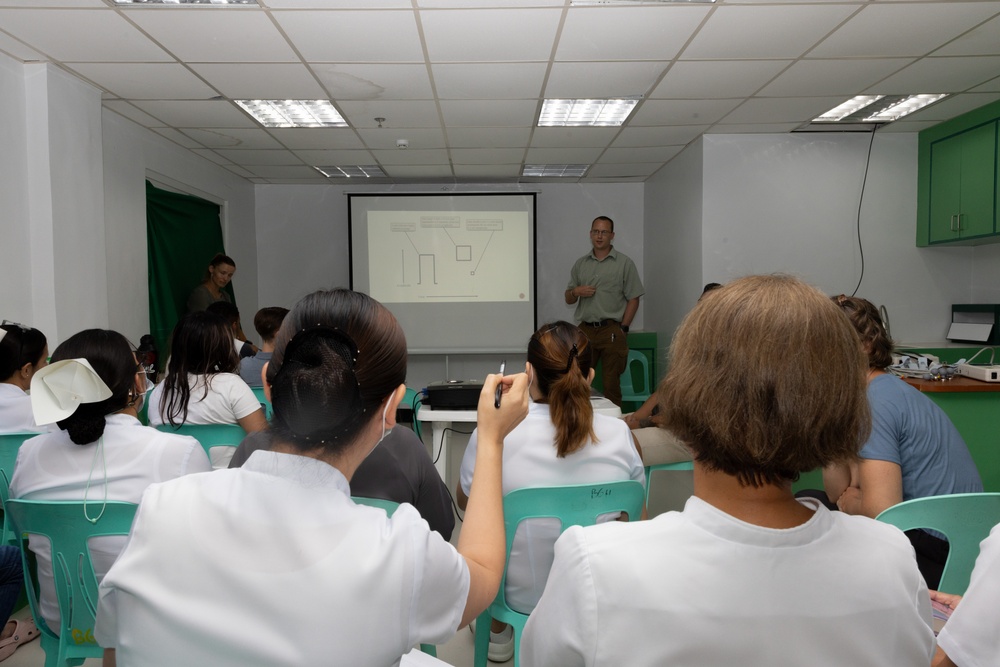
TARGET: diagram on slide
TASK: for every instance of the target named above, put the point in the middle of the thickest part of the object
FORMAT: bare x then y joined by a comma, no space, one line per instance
449,256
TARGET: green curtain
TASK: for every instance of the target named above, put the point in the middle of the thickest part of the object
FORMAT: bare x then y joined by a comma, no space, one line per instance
183,234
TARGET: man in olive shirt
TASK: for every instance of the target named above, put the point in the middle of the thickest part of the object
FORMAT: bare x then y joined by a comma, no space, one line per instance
605,287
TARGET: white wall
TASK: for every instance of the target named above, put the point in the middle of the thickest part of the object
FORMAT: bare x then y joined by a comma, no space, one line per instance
788,203
673,243
132,154
15,295
302,246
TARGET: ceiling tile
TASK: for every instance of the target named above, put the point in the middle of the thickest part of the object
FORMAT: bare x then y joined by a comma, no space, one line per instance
991,86
146,81
782,109
602,79
215,34
477,81
233,138
53,3
321,158
495,113
132,113
261,81
635,154
747,32
361,81
638,171
385,139
259,157
419,171
487,171
896,29
347,36
207,113
753,128
682,112
562,155
553,137
396,156
268,171
488,137
907,126
831,77
940,75
674,135
18,50
487,155
477,35
339,4
717,79
177,137
397,113
316,137
628,33
980,41
81,35
211,156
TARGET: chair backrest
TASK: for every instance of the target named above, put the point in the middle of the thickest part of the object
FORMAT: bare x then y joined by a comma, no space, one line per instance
262,399
388,505
68,530
210,435
10,444
965,519
631,391
574,505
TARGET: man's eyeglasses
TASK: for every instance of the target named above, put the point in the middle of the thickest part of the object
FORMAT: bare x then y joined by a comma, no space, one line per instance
600,232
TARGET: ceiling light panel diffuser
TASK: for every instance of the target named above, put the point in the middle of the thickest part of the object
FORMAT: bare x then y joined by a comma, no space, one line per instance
555,170
877,108
591,112
353,171
904,108
293,113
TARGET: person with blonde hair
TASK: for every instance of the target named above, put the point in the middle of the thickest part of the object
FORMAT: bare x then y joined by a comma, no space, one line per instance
766,381
560,442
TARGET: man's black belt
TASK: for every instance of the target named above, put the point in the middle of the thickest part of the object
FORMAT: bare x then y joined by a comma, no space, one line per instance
600,323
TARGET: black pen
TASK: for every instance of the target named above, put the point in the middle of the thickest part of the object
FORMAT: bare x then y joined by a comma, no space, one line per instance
496,397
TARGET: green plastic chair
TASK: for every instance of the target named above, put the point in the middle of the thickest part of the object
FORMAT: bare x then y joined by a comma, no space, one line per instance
209,435
68,530
679,465
266,404
630,391
576,505
390,507
10,444
965,519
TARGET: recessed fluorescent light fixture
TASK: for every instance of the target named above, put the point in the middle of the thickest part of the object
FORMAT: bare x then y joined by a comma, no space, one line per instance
185,2
877,108
555,170
592,112
293,113
353,171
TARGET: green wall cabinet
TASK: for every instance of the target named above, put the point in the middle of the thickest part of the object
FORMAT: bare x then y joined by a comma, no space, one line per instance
958,180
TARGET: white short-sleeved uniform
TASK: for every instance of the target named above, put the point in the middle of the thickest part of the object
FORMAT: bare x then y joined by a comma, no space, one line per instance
971,637
274,564
702,588
52,467
529,459
15,410
229,399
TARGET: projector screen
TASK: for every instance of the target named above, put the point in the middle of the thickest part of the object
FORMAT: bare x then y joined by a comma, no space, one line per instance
457,271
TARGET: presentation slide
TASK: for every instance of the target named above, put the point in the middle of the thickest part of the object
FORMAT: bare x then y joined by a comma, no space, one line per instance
458,271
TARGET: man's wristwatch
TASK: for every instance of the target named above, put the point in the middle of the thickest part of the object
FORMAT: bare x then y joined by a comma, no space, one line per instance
625,328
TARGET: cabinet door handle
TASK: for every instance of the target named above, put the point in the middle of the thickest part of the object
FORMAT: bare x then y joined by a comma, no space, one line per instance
959,216
951,226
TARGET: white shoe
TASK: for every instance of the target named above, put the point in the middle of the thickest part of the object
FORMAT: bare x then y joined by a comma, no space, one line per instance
501,645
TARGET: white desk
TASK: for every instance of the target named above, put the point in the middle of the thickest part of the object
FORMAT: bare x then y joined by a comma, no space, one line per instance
442,419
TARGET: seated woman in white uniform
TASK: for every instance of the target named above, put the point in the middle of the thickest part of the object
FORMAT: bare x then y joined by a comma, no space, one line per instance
272,563
203,385
560,442
766,381
23,351
101,451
